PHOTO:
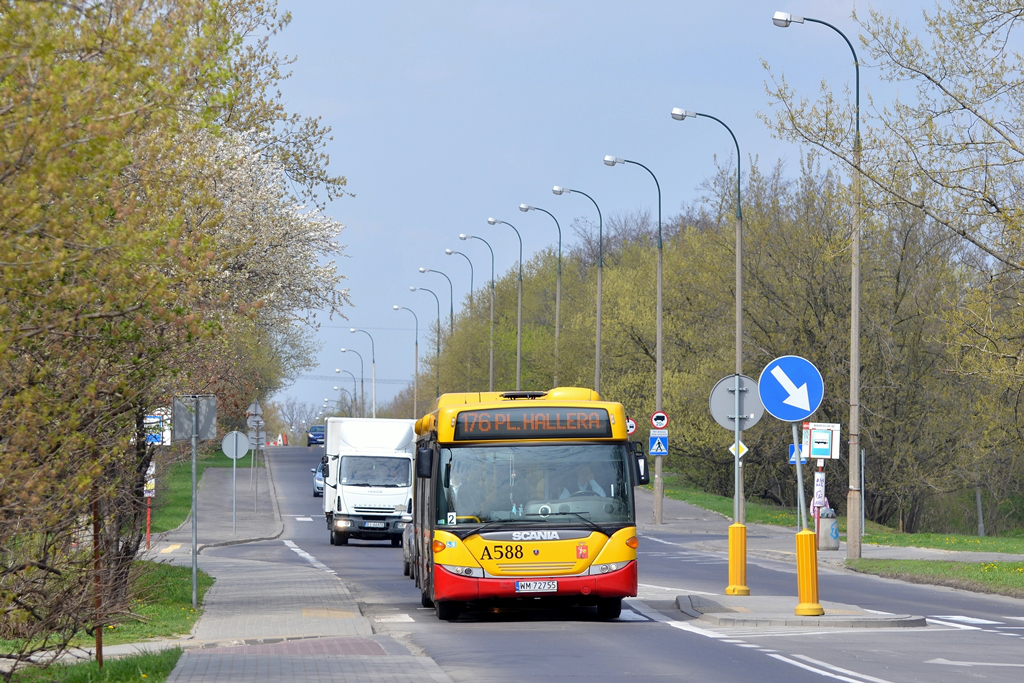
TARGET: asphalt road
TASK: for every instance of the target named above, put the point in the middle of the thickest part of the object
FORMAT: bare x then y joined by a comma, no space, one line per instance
969,636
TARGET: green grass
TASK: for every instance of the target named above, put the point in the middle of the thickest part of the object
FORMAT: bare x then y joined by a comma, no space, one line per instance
1004,578
757,513
173,500
988,544
152,667
162,605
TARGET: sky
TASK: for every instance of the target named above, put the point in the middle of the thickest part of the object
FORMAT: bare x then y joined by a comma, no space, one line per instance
445,113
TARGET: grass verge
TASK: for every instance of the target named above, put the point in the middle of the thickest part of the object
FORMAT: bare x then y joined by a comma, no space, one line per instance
1003,578
173,500
152,667
988,544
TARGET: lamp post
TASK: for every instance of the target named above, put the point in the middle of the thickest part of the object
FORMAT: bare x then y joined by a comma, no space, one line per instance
855,499
451,252
362,380
353,394
519,313
451,290
416,362
738,532
659,483
600,269
350,397
463,236
437,361
373,369
558,281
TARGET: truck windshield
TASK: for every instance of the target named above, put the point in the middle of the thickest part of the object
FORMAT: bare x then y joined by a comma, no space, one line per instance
546,484
370,470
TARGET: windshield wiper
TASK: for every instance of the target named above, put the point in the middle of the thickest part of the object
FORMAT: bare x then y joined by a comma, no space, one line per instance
497,522
592,525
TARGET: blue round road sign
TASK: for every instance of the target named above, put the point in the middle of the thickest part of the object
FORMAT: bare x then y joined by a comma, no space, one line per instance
790,388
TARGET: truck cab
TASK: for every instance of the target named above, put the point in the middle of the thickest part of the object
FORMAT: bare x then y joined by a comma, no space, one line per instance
368,478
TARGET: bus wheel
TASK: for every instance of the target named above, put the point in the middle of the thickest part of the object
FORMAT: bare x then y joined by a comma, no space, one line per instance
609,608
448,610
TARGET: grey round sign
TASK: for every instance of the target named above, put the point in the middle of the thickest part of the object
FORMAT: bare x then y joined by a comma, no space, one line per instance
235,445
723,403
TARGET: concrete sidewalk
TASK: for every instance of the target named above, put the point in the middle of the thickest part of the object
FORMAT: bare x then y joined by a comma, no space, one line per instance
266,621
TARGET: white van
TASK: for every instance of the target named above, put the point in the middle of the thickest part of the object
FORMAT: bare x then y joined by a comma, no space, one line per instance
368,478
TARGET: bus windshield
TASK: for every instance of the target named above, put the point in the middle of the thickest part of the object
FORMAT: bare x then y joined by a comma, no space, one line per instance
553,484
370,470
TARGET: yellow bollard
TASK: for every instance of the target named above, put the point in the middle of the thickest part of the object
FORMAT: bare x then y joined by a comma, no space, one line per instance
737,561
807,574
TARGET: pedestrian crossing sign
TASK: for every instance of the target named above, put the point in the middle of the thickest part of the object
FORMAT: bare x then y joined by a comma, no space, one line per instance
659,445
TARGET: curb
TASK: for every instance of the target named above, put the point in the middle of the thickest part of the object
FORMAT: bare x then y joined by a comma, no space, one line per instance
767,612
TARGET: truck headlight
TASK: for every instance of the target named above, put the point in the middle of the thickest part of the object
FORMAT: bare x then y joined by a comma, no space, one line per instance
342,523
399,525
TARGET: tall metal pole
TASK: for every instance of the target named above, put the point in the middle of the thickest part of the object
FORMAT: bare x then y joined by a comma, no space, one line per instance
451,252
416,366
855,498
558,283
600,269
437,362
195,528
490,383
451,291
362,380
519,314
373,369
659,482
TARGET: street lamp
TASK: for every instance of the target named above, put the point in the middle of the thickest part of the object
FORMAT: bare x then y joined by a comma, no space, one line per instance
558,281
519,314
600,269
738,574
451,289
416,362
353,394
854,500
362,379
437,361
659,483
350,398
373,369
450,252
464,236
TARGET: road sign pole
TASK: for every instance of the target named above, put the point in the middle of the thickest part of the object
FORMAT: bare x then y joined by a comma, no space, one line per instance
234,484
801,505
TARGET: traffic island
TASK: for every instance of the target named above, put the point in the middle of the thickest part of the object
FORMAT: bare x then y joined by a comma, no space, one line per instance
776,611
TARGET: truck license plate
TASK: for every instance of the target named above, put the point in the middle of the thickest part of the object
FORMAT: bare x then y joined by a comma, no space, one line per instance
374,525
536,586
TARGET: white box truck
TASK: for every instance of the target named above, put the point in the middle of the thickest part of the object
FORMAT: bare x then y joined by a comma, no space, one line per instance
368,478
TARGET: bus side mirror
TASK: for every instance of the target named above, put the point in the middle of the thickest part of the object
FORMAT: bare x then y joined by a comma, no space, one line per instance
424,462
643,475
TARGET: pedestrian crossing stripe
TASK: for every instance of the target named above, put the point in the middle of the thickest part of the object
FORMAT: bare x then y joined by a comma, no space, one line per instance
658,446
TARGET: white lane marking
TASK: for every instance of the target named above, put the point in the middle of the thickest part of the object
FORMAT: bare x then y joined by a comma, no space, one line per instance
308,558
965,620
685,626
823,672
1015,618
952,663
393,618
840,670
962,627
658,540
303,519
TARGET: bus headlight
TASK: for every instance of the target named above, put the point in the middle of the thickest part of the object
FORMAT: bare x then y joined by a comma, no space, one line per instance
475,572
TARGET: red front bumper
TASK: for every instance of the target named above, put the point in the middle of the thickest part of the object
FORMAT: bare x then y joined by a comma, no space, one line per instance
617,584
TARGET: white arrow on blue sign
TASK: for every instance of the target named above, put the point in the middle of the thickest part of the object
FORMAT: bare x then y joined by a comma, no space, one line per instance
658,445
790,388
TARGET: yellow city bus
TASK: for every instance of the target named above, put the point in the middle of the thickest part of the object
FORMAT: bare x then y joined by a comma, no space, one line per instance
526,496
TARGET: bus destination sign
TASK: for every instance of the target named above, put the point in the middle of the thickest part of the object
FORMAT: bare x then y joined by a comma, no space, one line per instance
534,422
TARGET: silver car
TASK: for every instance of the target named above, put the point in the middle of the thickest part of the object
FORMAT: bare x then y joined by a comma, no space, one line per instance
318,480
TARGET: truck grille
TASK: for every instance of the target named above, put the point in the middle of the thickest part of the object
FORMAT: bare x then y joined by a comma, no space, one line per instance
374,511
